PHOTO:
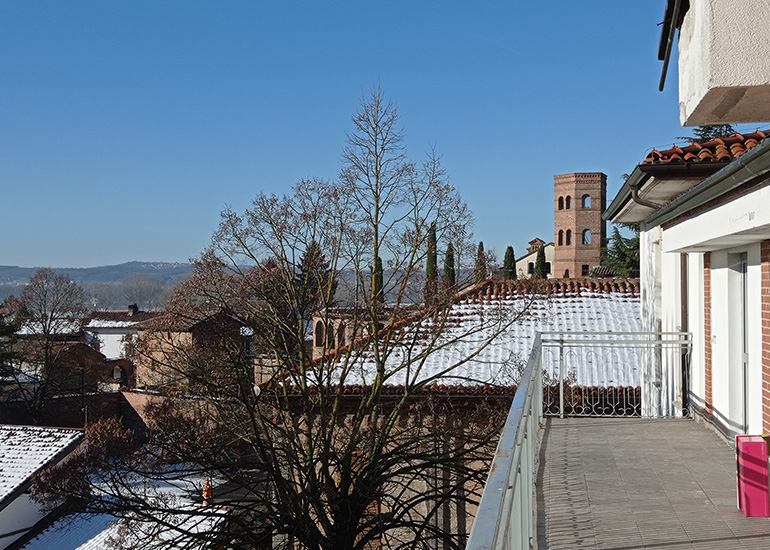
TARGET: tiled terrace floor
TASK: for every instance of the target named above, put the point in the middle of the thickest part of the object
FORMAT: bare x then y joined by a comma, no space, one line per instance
635,483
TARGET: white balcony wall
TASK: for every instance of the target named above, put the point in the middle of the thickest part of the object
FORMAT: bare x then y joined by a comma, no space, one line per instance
724,62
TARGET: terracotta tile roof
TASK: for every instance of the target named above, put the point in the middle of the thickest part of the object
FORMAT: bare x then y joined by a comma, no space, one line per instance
559,304
436,388
716,150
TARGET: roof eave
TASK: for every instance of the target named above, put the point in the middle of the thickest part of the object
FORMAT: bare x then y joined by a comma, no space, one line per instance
27,483
751,167
644,173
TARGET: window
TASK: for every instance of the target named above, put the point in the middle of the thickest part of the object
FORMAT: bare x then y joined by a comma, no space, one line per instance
587,236
569,237
547,268
531,268
341,335
586,201
319,333
561,237
568,202
561,203
584,270
566,273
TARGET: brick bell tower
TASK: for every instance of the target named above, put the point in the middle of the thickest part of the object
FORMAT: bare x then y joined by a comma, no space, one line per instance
579,232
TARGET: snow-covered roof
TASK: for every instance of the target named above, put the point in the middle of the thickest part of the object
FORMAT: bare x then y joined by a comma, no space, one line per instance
60,327
176,501
101,531
489,335
119,319
104,323
25,450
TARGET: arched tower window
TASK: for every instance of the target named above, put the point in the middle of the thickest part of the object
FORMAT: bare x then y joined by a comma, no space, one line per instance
561,237
568,202
319,333
586,201
586,236
561,203
341,335
569,237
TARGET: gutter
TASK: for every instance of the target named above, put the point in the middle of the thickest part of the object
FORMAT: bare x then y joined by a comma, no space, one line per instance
642,173
752,167
625,194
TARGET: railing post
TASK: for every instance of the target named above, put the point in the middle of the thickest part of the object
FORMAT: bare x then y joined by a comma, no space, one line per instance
561,377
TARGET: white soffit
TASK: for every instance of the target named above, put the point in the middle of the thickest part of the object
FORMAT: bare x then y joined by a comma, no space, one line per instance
656,190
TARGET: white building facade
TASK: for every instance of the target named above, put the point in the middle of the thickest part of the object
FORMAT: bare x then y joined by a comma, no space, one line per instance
705,269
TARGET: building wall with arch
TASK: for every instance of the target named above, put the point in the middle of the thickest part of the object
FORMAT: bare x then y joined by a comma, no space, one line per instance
579,231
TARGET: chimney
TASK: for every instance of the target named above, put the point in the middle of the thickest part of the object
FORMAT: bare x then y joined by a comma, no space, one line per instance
133,309
208,493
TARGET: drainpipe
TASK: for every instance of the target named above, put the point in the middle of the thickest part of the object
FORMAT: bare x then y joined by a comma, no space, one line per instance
639,200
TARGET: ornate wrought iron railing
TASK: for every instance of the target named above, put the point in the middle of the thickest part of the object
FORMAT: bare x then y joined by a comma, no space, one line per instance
615,373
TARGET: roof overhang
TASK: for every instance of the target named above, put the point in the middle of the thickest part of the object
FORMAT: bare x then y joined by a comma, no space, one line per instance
749,169
652,186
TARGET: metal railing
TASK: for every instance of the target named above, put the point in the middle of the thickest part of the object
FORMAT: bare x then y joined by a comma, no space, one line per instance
615,373
505,517
593,374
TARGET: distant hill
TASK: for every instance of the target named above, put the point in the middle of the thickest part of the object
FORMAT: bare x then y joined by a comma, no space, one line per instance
163,271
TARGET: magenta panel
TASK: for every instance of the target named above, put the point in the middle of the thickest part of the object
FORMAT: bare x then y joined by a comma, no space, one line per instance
753,483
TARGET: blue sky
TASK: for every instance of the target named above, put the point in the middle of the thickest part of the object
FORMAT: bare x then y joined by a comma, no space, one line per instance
126,127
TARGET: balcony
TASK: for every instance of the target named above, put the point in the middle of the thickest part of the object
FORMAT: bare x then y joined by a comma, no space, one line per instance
642,480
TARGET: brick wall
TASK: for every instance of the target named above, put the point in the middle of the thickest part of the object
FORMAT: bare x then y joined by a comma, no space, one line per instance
576,219
708,397
66,412
765,290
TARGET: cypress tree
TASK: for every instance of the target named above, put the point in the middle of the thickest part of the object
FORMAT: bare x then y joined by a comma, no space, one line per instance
7,355
377,281
509,264
481,264
449,275
540,271
431,267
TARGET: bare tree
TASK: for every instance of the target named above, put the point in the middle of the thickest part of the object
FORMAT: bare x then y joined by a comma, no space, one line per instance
50,314
358,447
104,296
146,292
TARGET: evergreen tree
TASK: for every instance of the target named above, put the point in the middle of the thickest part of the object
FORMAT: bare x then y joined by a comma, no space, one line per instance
707,132
540,270
622,256
509,264
316,279
449,275
7,333
481,264
377,281
431,267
